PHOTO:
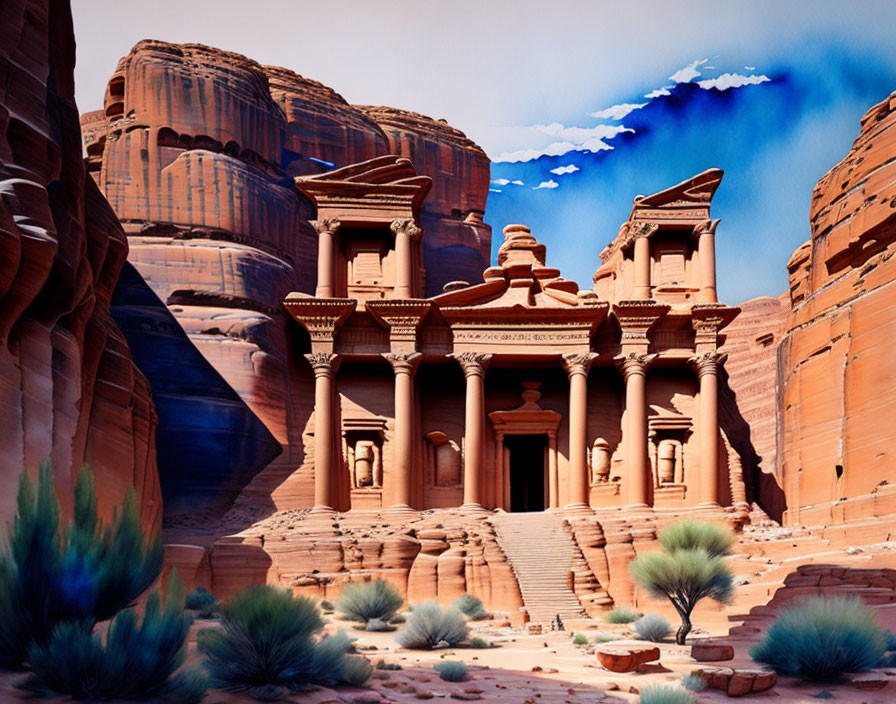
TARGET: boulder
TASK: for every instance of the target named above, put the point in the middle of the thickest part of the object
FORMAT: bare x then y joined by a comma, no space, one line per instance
712,652
737,682
626,659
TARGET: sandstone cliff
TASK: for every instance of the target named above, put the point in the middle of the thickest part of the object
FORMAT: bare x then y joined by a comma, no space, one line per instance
69,389
837,371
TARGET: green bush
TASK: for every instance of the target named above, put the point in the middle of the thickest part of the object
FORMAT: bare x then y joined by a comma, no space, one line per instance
683,576
622,615
479,643
430,625
137,662
356,670
471,607
375,625
605,638
451,670
891,640
693,535
580,639
82,573
822,638
267,641
200,600
666,694
693,683
652,627
362,601
398,619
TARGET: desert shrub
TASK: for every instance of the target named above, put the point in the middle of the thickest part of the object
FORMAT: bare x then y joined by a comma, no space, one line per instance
684,577
268,642
605,638
693,683
136,662
327,606
822,638
356,670
199,600
376,625
383,665
471,607
652,627
479,643
693,535
621,615
398,619
451,670
430,624
666,694
362,601
891,640
82,573
580,639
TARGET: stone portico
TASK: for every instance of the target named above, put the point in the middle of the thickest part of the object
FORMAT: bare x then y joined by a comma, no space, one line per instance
522,392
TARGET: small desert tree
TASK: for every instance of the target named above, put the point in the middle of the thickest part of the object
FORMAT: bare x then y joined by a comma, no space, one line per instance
690,568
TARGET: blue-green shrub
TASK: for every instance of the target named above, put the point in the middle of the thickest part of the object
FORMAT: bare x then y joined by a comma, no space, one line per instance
362,601
451,670
666,694
580,639
621,615
203,602
822,638
652,627
693,683
430,625
471,607
693,535
136,662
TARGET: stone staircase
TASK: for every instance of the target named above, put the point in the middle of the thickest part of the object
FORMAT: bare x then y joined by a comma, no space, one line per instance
541,553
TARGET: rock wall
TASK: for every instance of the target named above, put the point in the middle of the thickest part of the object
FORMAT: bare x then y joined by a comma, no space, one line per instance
836,367
69,389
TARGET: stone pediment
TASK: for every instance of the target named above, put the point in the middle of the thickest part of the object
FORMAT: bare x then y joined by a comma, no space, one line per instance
696,191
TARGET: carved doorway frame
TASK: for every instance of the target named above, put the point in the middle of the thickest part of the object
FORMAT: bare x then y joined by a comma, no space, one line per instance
525,421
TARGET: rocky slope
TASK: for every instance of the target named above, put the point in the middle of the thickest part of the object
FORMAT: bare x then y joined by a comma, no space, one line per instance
69,389
836,368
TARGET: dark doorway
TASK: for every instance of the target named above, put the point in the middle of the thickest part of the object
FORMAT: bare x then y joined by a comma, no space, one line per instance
526,471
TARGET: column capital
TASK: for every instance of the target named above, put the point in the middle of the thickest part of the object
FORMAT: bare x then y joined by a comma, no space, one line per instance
707,227
637,230
323,363
405,226
578,363
403,363
707,363
634,363
326,226
473,363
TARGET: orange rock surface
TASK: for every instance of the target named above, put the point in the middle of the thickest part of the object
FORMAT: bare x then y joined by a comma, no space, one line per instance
837,371
69,389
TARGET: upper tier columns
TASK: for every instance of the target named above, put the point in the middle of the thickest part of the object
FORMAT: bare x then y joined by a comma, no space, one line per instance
577,366
326,256
474,366
634,368
324,366
404,366
706,246
707,368
405,231
641,232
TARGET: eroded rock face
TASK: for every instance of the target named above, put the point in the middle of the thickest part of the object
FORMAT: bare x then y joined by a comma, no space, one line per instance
837,371
69,389
456,242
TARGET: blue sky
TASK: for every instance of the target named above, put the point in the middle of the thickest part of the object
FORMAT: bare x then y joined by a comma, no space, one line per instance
520,75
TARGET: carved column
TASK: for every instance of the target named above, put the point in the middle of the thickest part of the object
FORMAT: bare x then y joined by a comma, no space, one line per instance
634,368
577,366
707,367
553,476
641,233
405,230
706,247
326,256
474,366
404,366
324,366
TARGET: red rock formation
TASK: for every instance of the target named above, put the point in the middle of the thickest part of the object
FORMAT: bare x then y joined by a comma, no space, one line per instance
837,370
68,387
456,242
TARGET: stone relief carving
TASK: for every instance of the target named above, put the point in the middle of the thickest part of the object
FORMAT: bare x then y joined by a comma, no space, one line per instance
444,458
600,461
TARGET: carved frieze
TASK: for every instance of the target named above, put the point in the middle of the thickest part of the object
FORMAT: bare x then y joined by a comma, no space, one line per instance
636,317
321,317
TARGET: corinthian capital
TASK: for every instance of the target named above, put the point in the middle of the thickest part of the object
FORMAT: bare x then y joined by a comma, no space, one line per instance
637,230
707,363
473,363
707,227
403,363
575,363
634,363
328,225
323,363
405,226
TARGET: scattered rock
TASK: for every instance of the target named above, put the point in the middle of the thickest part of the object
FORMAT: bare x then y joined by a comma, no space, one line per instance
652,668
737,683
535,629
465,697
712,652
869,681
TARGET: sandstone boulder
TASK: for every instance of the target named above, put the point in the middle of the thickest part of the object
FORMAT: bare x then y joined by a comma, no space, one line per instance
712,652
626,659
739,682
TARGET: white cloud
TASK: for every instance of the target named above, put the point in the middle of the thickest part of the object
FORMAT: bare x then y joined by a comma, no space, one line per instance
732,80
501,181
658,92
546,184
749,68
518,183
579,135
494,190
616,112
689,72
555,149
568,169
